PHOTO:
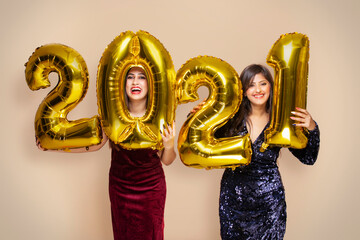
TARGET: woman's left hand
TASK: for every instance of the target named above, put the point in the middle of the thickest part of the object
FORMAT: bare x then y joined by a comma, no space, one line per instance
168,136
303,119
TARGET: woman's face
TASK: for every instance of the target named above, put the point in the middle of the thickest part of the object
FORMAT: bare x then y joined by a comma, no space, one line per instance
136,86
258,92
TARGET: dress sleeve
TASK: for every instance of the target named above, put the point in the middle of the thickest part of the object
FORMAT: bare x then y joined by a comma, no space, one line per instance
308,155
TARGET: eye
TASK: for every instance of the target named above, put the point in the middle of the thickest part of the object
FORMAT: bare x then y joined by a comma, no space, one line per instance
263,83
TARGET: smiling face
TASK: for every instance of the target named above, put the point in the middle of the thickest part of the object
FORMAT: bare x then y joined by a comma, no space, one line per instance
258,92
136,86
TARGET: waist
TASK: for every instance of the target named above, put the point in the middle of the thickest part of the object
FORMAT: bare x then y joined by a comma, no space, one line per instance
255,169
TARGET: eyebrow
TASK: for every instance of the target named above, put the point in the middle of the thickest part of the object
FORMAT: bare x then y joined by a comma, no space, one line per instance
262,80
134,74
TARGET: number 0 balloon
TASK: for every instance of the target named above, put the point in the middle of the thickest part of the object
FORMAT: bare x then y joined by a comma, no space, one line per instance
124,52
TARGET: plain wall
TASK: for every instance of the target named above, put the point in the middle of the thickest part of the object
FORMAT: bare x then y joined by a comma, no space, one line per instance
58,196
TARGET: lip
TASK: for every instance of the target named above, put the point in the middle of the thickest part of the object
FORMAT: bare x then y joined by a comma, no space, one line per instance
135,90
258,95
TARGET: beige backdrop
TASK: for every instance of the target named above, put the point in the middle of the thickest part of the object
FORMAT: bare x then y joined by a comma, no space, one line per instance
57,196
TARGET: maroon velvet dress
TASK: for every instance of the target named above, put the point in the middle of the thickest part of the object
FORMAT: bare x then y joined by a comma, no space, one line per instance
137,194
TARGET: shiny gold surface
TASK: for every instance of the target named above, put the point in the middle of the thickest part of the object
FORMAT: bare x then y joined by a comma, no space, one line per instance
196,143
52,127
289,57
126,51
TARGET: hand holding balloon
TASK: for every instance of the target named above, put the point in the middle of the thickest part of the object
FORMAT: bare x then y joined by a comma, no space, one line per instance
38,144
198,107
168,136
303,119
168,154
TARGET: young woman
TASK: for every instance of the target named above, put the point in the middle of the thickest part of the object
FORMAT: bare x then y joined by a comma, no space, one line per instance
137,185
252,198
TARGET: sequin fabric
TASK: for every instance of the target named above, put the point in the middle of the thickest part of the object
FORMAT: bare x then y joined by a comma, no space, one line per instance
252,197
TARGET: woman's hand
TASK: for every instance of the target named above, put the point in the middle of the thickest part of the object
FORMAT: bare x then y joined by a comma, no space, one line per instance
303,119
197,107
168,136
39,145
168,154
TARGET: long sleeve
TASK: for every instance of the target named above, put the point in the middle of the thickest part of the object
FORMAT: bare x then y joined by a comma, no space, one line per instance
308,155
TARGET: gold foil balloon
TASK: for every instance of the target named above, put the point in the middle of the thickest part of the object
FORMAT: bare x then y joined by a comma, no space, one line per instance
124,52
52,128
289,57
196,143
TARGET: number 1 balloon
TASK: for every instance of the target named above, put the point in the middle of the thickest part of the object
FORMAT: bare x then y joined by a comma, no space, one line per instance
289,57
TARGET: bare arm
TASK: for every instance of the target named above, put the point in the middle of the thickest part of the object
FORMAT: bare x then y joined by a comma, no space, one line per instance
168,154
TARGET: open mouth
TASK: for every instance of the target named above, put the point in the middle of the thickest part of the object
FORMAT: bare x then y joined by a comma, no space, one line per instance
258,95
135,90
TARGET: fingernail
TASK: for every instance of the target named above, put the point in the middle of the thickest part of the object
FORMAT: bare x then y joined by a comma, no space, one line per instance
293,112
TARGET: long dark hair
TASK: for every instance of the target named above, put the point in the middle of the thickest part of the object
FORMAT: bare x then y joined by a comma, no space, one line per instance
235,124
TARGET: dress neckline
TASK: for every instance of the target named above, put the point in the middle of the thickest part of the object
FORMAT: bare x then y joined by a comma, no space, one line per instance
261,133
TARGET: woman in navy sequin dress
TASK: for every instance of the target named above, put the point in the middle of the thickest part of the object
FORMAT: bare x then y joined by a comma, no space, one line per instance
252,197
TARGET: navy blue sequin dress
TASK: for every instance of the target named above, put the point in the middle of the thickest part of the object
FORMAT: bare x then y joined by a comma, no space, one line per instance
252,197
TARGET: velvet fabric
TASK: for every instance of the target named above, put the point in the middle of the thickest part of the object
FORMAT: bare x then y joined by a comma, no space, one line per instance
137,192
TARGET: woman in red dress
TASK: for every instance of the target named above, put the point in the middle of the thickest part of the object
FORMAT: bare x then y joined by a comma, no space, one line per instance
137,185
136,182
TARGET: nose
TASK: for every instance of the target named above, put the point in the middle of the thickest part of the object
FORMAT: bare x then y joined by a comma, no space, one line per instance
257,88
136,80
